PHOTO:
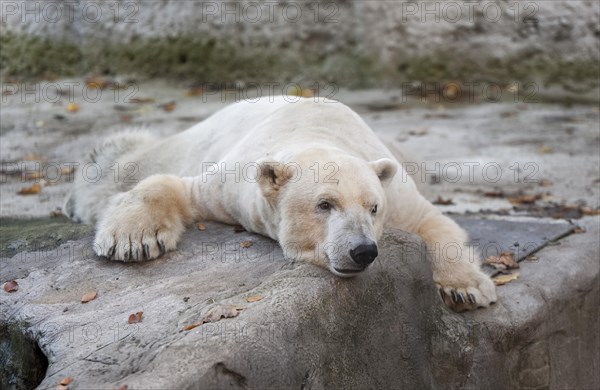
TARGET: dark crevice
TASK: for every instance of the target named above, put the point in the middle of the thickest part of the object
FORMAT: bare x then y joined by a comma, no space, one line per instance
23,365
238,379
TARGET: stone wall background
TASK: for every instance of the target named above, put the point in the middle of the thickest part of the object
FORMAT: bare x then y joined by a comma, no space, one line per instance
354,43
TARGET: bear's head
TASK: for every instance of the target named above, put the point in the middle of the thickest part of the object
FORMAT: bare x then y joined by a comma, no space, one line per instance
331,207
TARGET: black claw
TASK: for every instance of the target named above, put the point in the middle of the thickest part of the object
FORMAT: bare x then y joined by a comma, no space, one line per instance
442,293
471,298
111,251
146,251
162,247
461,298
454,296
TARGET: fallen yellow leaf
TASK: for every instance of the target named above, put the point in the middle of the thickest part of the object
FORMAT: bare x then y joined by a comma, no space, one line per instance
90,296
34,189
73,107
216,313
190,327
168,107
246,244
254,298
66,381
503,279
98,82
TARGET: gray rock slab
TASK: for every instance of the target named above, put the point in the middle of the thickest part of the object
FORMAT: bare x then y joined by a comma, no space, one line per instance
310,327
521,236
386,328
543,332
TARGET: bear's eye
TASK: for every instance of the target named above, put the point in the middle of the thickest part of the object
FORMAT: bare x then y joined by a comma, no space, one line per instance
325,205
374,210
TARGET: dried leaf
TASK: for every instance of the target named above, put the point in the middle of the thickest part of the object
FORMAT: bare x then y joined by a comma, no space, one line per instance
524,199
201,227
99,82
503,279
141,100
545,183
196,91
451,90
546,149
73,107
34,157
246,244
442,201
579,230
216,313
66,381
90,296
254,298
494,194
190,327
168,107
221,311
62,387
11,286
302,92
67,170
238,229
590,211
506,260
135,318
308,92
124,387
34,189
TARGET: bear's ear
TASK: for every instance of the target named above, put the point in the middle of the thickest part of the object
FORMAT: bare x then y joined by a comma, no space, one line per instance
273,175
385,169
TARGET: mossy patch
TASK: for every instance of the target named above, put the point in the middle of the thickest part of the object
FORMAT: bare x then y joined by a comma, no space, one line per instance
27,57
191,58
213,60
18,235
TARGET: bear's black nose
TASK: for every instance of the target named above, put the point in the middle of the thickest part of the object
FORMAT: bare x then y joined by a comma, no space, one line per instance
364,254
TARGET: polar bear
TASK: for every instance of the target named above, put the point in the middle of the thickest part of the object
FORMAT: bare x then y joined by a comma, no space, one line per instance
306,172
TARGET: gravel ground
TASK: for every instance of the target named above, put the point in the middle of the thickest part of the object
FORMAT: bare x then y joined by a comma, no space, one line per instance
475,156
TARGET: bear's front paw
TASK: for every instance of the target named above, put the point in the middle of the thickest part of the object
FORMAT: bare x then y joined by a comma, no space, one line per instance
466,291
131,230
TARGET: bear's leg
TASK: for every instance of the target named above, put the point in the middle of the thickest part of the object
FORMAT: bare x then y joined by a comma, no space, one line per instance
145,221
456,267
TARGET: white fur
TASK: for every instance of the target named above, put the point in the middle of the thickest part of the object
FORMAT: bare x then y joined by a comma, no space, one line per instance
300,153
